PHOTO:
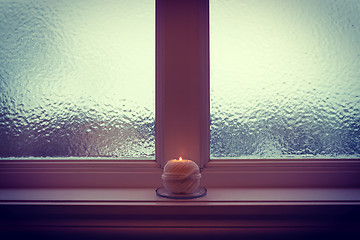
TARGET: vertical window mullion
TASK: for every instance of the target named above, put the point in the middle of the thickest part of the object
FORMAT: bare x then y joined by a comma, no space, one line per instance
182,80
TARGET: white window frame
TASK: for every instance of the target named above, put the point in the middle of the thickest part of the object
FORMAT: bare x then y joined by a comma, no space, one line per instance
182,128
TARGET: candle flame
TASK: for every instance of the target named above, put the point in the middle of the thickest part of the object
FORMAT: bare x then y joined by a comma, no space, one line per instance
180,159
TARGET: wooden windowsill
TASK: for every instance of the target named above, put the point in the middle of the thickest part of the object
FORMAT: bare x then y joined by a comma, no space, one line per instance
214,196
138,212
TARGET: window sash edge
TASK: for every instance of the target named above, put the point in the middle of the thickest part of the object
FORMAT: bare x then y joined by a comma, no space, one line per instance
144,173
79,174
298,173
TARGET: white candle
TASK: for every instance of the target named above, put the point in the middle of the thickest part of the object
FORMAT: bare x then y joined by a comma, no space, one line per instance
181,176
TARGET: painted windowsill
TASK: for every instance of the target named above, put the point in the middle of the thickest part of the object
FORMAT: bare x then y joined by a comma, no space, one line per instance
217,196
139,213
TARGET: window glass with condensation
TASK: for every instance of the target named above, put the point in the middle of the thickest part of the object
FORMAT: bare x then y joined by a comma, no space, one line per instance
77,78
285,78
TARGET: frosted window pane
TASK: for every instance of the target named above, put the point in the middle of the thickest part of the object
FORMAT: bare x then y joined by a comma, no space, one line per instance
77,78
285,78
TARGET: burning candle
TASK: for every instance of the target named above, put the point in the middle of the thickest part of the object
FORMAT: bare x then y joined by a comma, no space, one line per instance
181,176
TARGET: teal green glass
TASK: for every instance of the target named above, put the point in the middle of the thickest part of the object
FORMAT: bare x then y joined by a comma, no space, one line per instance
77,78
285,78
